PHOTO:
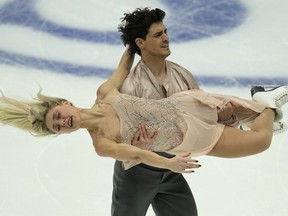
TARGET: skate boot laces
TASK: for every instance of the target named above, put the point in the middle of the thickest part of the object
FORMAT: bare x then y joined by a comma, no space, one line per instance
282,98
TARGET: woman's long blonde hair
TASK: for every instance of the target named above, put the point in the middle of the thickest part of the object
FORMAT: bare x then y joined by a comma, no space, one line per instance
28,115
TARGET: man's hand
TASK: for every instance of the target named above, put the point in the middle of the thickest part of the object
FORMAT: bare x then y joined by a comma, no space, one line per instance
225,113
183,164
142,139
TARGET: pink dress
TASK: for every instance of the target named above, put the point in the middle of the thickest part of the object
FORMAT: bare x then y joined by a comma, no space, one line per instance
187,121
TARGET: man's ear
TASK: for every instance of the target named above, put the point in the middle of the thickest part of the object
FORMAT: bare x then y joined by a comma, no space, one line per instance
139,42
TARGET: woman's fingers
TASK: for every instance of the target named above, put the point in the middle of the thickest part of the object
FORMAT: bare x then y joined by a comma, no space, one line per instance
185,164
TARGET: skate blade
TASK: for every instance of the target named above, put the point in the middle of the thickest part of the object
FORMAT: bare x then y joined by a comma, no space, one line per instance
264,86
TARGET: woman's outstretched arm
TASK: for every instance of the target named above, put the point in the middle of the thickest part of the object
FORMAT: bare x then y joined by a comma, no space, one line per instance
124,152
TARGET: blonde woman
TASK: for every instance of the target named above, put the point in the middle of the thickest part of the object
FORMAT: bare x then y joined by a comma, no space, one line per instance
185,124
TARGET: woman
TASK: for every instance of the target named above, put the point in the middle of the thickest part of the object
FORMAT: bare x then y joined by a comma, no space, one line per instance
187,124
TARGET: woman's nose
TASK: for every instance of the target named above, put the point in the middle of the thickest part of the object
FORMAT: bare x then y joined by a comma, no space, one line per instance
61,122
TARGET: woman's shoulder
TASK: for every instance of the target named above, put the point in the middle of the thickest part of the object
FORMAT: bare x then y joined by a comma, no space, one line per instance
105,90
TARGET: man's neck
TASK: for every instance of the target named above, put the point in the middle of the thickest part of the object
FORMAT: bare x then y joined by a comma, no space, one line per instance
156,65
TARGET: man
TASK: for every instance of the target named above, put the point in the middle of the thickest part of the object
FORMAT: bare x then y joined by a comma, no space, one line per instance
153,77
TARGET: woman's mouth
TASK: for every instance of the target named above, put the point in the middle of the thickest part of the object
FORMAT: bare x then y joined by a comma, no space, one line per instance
70,122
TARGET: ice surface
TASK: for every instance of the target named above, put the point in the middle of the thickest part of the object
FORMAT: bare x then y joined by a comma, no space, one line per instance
70,48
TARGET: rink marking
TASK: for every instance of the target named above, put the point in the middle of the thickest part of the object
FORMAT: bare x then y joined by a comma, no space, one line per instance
199,19
91,71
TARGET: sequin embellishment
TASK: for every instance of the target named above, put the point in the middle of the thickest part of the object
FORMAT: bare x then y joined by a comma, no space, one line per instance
155,114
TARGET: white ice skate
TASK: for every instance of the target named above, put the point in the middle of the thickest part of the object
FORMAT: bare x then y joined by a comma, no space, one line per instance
274,98
279,127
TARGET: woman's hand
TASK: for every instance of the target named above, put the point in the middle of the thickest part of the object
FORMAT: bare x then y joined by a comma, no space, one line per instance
142,139
183,164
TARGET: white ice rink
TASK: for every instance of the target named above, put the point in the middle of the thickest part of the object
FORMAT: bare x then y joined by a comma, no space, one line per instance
69,47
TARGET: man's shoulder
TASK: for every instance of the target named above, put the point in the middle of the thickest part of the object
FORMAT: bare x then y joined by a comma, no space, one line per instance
136,70
132,81
179,71
174,67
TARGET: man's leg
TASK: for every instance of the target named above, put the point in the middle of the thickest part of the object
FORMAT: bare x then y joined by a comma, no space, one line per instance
133,189
174,197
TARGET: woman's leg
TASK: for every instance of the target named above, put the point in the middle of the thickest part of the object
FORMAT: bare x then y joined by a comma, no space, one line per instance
238,143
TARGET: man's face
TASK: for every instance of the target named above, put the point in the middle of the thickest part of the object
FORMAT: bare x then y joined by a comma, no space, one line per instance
157,41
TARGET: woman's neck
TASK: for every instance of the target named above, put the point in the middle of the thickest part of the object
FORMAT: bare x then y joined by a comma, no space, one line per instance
90,117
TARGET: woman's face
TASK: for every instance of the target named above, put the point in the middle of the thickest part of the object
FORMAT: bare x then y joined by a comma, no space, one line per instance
63,118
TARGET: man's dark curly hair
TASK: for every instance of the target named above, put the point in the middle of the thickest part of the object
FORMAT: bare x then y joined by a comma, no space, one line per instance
136,25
